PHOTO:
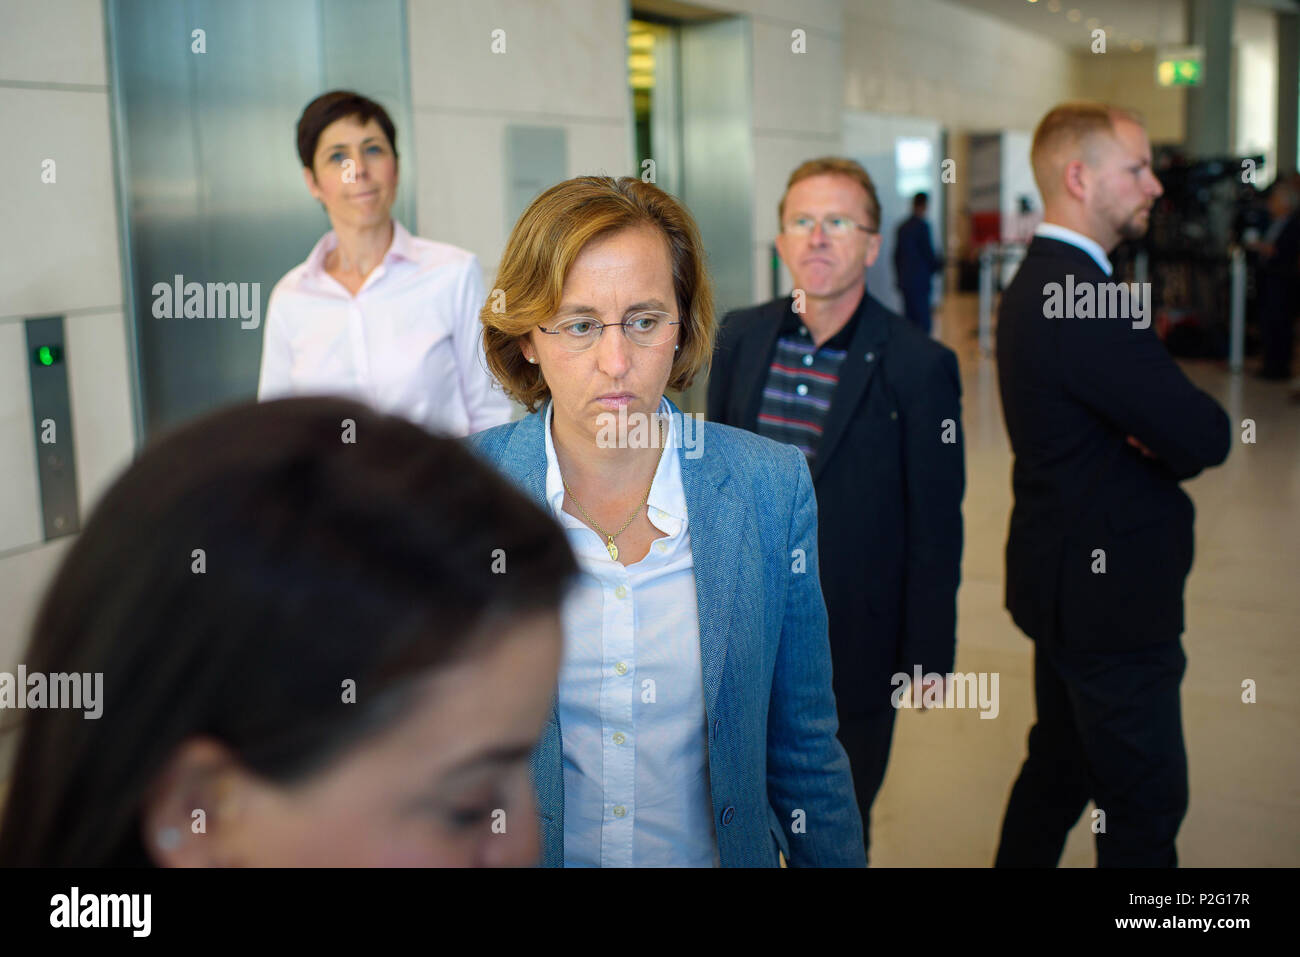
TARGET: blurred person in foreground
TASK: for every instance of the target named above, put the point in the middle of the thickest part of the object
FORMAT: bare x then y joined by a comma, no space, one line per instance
339,677
375,313
1104,426
694,724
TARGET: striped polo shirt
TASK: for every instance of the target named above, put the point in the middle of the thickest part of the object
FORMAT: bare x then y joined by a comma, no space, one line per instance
801,383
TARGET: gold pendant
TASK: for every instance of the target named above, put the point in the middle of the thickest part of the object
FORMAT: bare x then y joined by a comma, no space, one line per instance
612,549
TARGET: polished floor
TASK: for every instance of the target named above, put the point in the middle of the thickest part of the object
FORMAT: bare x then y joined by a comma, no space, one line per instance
950,772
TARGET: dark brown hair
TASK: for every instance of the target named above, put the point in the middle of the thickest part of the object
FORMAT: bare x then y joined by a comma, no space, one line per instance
336,105
325,561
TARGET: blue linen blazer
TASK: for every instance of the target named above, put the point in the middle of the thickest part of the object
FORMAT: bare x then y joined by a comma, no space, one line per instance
778,776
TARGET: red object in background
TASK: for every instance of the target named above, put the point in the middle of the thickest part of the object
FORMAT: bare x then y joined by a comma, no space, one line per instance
986,227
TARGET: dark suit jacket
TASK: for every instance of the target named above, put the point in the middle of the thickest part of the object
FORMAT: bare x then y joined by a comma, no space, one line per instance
914,258
888,489
1285,260
1073,390
1278,278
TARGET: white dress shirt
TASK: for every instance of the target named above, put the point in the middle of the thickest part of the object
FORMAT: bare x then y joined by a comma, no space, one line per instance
409,342
1088,245
631,692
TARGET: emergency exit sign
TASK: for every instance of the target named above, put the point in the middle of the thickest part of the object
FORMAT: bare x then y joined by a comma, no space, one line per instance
1180,67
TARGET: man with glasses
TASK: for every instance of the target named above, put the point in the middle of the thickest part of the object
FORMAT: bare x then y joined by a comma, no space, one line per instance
875,405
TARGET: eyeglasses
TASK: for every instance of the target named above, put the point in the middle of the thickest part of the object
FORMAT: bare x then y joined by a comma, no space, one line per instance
579,333
836,227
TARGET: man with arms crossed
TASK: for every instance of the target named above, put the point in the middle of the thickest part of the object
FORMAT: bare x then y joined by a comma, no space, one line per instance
1103,427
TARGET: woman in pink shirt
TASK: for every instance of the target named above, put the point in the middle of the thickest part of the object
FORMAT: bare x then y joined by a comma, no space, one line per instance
375,313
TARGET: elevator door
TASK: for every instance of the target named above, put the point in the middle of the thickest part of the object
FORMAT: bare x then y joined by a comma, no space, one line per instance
207,94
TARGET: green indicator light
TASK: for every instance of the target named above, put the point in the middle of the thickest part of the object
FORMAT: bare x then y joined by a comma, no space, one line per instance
47,355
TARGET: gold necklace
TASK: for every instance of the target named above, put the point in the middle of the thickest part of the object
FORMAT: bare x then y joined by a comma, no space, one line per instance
609,544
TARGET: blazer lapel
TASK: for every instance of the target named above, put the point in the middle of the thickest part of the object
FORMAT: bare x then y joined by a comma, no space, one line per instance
753,378
524,458
716,524
864,357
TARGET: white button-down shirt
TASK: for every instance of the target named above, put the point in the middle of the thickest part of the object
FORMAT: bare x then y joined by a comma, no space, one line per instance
631,692
1079,240
409,342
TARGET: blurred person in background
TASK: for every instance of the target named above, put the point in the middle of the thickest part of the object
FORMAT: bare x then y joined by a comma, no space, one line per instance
1278,278
695,724
875,405
1104,426
375,313
915,263
340,678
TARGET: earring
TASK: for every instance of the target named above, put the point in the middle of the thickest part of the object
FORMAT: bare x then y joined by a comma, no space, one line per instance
531,359
676,348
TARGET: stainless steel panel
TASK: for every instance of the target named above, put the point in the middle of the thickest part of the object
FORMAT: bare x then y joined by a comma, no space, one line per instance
20,519
718,157
56,460
718,151
206,142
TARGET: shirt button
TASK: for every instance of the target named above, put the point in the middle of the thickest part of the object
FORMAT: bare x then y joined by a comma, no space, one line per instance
620,669
870,357
621,591
660,547
807,360
618,737
619,810
801,389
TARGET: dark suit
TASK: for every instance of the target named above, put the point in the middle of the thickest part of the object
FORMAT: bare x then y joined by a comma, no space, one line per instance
914,264
1278,279
1099,547
889,492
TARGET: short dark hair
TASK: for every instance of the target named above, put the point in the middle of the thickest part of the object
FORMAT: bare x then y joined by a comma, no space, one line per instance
326,560
336,105
921,199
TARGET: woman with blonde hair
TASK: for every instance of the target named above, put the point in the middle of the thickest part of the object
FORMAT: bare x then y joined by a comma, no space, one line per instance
694,723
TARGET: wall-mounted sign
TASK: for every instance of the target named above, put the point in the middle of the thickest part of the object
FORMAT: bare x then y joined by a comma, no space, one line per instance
1180,67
